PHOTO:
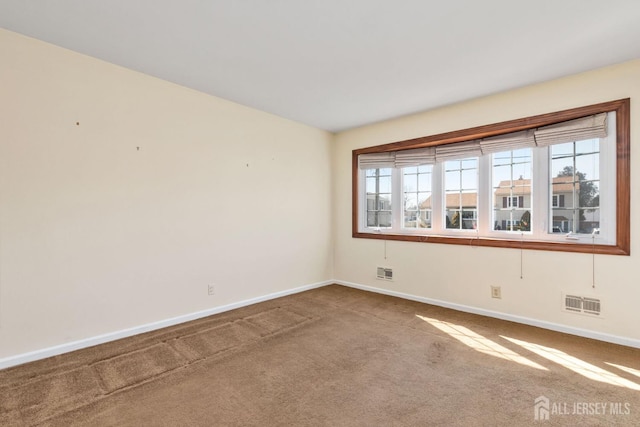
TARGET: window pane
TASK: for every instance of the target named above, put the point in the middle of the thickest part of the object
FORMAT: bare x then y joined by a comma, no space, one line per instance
417,197
452,210
471,163
371,185
560,150
469,211
378,197
588,166
384,202
411,201
409,182
523,155
452,180
588,220
470,179
424,181
588,146
512,190
503,158
384,219
562,187
410,169
452,165
385,184
589,192
562,166
574,186
372,219
522,163
378,172
502,176
588,197
424,218
469,219
461,193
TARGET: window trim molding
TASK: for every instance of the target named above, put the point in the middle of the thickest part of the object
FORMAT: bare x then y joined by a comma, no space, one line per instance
623,188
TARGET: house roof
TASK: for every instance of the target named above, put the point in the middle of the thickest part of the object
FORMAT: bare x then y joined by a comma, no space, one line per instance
453,201
522,187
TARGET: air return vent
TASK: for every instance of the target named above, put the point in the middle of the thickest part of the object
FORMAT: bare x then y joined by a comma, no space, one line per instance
580,304
573,303
591,306
385,273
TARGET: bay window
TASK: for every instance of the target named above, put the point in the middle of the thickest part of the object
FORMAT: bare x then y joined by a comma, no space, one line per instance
558,181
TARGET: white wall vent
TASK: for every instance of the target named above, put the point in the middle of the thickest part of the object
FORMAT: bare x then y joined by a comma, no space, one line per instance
573,303
385,273
580,304
591,306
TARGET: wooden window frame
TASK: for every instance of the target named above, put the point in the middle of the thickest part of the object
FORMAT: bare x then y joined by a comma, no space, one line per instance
623,172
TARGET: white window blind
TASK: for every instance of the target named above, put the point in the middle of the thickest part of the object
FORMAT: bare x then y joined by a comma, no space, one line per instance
376,160
416,157
573,130
458,150
508,141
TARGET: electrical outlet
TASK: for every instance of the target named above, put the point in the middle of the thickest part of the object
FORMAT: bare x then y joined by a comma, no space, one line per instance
211,290
496,292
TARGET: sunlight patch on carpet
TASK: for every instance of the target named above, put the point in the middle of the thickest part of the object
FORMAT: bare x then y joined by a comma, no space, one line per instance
576,365
480,343
626,369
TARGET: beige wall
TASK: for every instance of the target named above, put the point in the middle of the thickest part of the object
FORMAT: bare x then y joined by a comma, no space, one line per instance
124,219
97,236
463,275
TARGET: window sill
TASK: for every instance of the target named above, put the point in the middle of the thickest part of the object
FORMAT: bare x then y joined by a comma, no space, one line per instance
499,243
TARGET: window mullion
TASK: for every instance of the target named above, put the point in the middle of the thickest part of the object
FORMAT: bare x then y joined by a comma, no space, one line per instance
541,198
611,174
397,200
485,191
437,196
608,199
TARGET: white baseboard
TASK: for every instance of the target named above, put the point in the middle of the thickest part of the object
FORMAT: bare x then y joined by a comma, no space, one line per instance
614,339
112,336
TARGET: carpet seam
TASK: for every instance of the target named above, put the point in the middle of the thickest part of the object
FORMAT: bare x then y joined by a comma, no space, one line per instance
105,393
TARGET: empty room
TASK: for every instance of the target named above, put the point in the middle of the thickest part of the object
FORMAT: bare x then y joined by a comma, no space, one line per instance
319,213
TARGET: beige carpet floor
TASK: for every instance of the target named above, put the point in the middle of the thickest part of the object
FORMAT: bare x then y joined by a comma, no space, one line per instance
332,356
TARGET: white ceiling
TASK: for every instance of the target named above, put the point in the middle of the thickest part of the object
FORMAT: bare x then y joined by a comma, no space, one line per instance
338,64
